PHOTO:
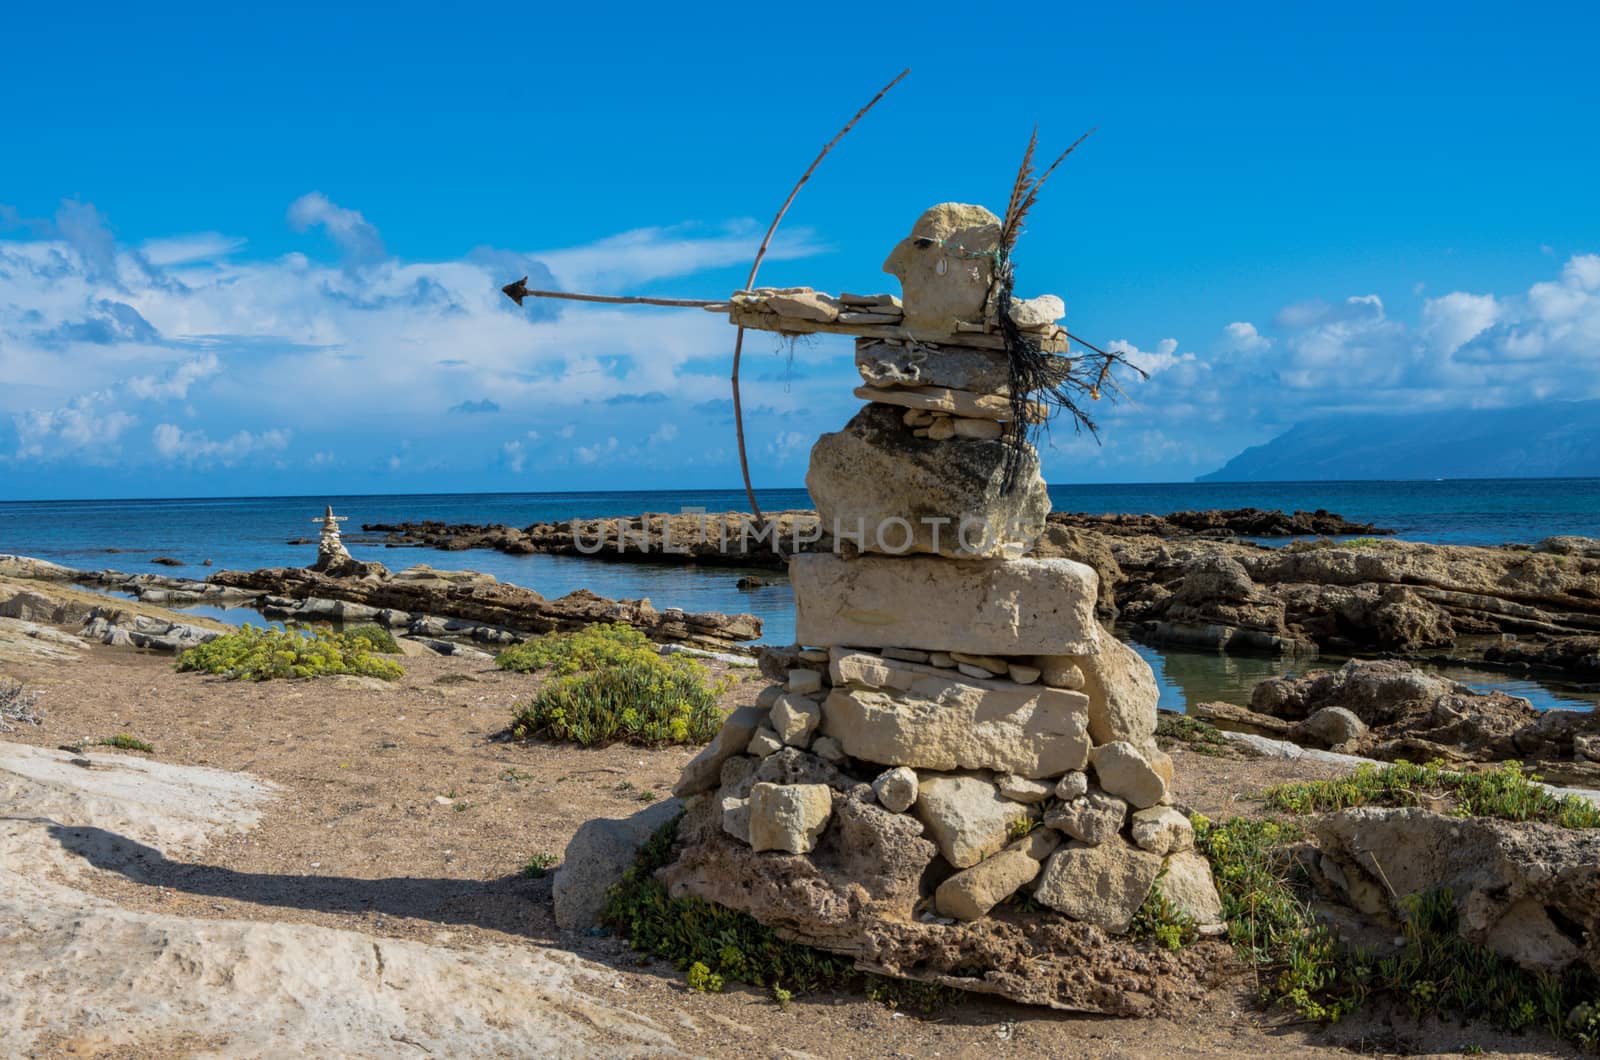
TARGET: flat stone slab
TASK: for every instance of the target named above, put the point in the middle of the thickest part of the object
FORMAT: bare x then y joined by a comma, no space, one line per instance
1003,607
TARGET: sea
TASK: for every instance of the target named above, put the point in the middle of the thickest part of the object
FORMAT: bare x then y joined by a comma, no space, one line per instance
250,532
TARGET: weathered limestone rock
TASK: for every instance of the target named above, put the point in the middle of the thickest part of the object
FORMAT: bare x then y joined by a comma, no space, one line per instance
1022,674
1023,790
704,770
896,789
1059,671
943,400
1330,727
736,817
794,718
889,492
948,724
1027,313
1072,784
764,742
806,305
788,817
1124,770
1188,885
1102,885
945,267
1093,818
970,894
983,607
597,855
804,682
866,870
966,816
827,749
1530,892
1121,687
1162,830
912,364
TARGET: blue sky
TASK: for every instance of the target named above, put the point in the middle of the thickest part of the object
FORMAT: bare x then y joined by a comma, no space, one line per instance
258,250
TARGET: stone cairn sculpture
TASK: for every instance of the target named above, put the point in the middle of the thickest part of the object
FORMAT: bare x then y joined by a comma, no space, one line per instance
954,775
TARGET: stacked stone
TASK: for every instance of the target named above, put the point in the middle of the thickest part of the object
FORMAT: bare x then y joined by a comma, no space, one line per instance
954,727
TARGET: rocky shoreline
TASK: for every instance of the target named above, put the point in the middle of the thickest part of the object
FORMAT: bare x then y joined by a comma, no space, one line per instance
442,611
1188,579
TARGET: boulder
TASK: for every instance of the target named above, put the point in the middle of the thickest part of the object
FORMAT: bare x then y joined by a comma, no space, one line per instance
1330,727
1125,770
981,607
599,853
704,769
803,682
877,485
788,817
1093,818
1102,885
971,893
1162,830
966,816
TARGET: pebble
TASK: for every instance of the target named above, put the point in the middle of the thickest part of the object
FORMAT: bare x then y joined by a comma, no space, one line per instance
1072,785
1023,675
992,663
975,672
941,430
941,659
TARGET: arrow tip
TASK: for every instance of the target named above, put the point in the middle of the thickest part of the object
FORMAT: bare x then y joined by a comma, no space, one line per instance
516,291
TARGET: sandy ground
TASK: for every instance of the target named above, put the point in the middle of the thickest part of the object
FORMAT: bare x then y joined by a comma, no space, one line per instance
334,867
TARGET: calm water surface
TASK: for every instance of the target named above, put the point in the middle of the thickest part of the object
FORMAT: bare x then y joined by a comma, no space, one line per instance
245,533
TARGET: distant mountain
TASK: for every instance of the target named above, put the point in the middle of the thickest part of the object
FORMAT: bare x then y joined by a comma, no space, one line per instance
1555,439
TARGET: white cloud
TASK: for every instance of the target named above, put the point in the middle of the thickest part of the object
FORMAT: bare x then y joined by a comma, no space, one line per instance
190,248
1242,337
86,428
618,262
516,456
353,234
593,454
1456,319
176,383
195,447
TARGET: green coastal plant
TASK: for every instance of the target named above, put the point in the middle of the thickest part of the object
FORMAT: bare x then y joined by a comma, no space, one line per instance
124,742
376,638
251,654
539,865
609,685
1192,734
1503,791
591,648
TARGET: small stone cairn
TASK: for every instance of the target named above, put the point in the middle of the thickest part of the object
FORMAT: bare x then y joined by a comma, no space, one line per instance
954,776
